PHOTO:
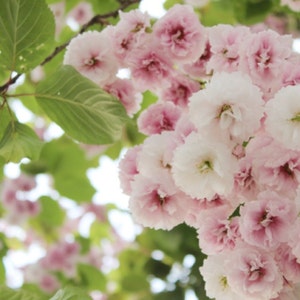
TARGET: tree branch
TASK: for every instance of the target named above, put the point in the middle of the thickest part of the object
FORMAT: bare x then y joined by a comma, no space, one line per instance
97,19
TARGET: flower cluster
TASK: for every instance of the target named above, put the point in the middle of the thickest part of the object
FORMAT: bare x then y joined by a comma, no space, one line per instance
222,151
59,246
16,200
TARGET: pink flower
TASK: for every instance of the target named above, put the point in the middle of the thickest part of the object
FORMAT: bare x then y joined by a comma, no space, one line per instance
196,208
180,34
245,184
82,13
90,54
62,257
288,264
294,237
154,204
217,233
263,56
154,160
150,68
26,208
199,69
291,73
180,90
124,90
214,272
277,168
225,42
25,183
130,33
159,117
58,10
49,283
253,274
289,292
265,222
128,169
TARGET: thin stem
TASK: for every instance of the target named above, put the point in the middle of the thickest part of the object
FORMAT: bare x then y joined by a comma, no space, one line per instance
11,81
98,19
9,111
20,95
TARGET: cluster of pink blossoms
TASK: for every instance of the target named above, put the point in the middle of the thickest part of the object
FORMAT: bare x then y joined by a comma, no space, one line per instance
16,200
222,152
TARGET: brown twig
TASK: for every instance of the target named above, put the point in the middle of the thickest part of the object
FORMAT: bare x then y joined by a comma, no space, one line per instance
97,19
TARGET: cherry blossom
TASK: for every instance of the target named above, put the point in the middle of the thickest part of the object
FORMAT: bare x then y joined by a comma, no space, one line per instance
215,275
225,45
130,33
180,90
90,54
231,103
253,273
154,204
203,167
150,69
128,169
282,121
159,117
217,232
180,34
264,223
264,53
124,90
82,13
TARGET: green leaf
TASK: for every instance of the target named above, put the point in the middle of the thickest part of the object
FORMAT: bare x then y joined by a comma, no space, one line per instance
105,6
169,3
157,268
2,273
19,141
67,163
91,277
70,293
27,33
134,282
99,231
5,118
51,213
81,108
217,12
251,12
10,294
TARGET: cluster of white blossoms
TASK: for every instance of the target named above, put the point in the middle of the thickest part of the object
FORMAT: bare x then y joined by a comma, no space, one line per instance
222,151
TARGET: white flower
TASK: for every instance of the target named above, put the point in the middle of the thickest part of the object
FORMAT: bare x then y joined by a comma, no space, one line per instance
90,54
215,277
231,103
203,167
283,117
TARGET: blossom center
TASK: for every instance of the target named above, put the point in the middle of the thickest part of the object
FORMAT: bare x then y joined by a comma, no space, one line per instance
226,108
266,219
296,118
93,61
161,199
287,170
223,282
204,166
